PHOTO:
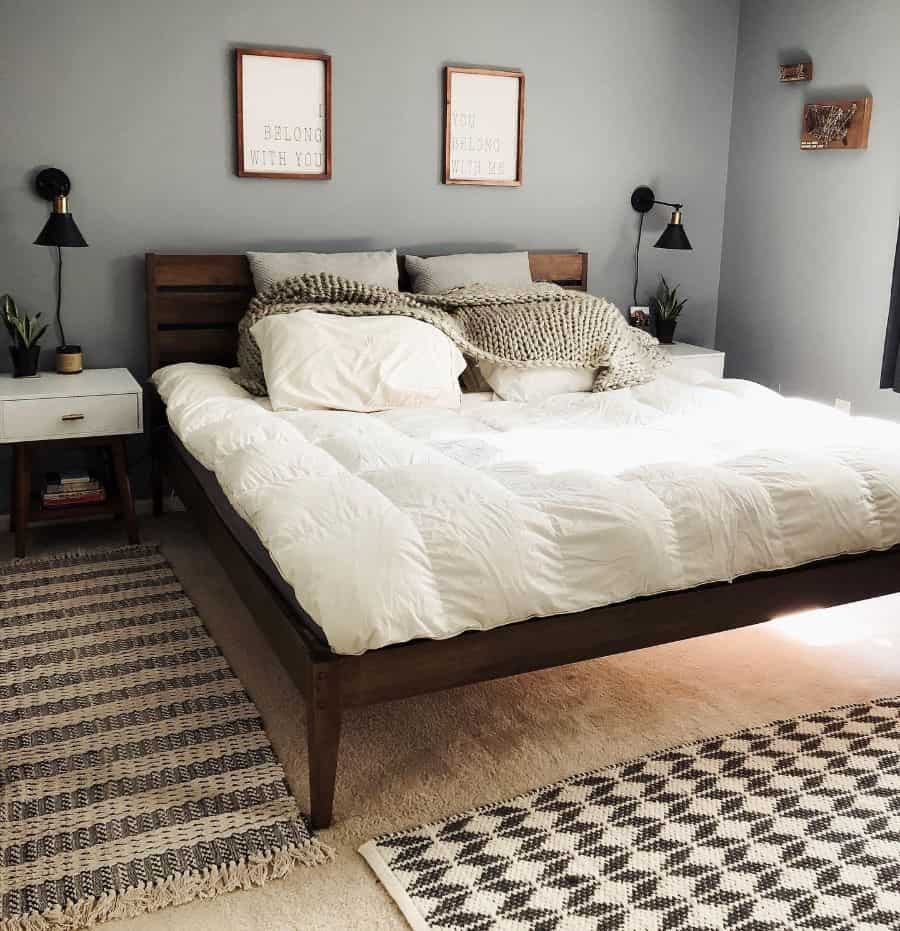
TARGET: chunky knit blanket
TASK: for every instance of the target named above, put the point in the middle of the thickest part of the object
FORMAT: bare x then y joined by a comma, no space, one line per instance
529,327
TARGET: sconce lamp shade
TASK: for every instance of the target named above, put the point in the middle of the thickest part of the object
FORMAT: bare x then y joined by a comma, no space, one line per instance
60,230
643,200
674,236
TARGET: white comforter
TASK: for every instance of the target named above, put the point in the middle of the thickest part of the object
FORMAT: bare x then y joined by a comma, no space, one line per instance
427,523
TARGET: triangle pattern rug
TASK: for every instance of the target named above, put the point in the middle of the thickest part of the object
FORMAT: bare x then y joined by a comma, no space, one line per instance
792,825
135,771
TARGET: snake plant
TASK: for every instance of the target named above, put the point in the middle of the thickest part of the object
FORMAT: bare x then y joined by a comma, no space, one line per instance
668,307
24,331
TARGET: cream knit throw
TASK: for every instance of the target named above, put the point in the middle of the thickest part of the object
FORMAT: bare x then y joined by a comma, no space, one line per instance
542,325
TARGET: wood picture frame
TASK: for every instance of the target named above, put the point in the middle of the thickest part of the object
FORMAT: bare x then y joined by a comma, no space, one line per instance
283,114
483,121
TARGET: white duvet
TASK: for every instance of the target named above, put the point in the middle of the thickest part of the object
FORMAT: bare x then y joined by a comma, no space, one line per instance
427,523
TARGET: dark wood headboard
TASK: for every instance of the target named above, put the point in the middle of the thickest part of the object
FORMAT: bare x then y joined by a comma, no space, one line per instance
194,302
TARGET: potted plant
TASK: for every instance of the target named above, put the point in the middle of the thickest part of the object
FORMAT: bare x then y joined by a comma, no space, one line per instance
668,309
24,334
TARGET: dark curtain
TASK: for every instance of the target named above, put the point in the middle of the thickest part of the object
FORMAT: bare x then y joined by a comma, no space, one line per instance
890,366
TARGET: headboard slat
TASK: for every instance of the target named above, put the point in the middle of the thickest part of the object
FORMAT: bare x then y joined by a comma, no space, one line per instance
566,268
203,271
195,302
201,307
212,345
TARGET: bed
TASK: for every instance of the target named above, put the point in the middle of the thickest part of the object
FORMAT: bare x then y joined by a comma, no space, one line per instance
849,504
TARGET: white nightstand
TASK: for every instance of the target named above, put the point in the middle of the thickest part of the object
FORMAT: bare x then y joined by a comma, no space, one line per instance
97,407
684,355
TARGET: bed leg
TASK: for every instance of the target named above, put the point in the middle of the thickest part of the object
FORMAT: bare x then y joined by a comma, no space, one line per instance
156,417
323,732
156,483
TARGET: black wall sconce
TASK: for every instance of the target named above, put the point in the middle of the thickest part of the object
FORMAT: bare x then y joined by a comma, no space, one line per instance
60,231
643,200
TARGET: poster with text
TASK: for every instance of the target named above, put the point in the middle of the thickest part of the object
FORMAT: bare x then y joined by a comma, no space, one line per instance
283,114
485,112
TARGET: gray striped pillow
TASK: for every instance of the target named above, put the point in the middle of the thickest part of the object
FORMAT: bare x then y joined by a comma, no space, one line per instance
440,272
378,268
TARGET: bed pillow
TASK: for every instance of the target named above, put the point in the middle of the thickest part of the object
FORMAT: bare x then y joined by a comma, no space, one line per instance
535,384
318,361
378,268
430,276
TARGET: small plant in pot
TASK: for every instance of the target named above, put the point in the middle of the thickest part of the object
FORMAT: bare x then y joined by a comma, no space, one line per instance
24,335
668,308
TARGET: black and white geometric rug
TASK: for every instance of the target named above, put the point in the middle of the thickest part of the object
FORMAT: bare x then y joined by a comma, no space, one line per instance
792,825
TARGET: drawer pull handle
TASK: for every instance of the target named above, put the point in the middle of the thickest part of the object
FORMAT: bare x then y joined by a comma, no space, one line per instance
69,417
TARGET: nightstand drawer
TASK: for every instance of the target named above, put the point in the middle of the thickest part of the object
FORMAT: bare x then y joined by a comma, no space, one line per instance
55,418
714,363
686,356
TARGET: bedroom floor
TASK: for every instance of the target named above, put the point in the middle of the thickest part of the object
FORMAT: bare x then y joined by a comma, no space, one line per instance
415,760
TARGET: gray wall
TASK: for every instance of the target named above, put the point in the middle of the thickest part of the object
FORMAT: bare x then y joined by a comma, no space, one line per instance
135,101
810,236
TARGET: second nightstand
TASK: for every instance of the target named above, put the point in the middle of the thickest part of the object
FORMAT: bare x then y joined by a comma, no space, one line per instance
684,355
98,407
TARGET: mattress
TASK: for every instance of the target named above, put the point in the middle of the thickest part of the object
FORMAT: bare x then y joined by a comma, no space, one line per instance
427,523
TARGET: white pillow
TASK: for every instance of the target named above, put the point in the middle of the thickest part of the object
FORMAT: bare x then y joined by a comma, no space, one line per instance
429,276
319,361
535,384
379,268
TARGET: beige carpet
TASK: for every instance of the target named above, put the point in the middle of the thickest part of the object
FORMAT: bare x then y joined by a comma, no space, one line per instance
416,760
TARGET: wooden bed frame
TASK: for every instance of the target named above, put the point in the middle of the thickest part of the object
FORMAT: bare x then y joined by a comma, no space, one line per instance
193,305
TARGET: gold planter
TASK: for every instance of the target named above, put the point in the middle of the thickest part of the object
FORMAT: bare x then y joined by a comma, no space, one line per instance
69,360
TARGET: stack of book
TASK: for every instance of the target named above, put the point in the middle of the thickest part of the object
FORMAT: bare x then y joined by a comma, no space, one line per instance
65,489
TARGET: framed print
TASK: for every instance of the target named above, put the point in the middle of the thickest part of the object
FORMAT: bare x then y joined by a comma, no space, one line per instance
640,317
283,114
484,117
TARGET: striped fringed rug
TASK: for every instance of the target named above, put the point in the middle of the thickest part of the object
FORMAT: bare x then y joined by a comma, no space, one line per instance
135,772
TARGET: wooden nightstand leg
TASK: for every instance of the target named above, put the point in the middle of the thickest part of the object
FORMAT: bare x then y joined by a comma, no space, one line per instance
21,496
12,490
123,486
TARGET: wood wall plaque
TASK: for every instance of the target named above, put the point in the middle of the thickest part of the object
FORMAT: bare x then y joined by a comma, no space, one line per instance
790,74
484,118
836,124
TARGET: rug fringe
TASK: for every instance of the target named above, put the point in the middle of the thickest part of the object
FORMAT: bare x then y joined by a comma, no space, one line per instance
176,890
84,552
